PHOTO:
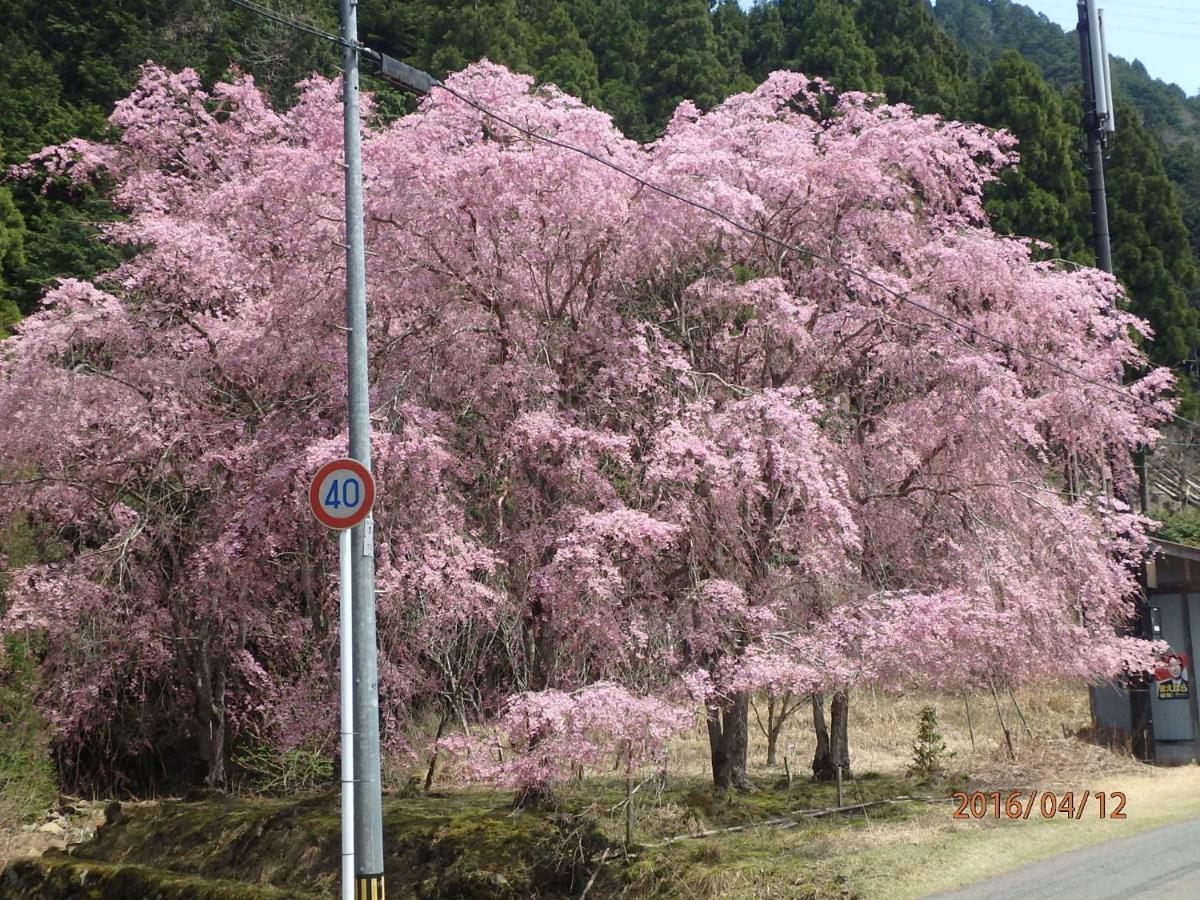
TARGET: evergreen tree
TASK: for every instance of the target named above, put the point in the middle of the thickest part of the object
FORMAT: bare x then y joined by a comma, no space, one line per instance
683,63
33,110
768,40
62,66
989,27
557,52
921,65
464,31
731,27
1182,161
12,255
818,38
617,35
1046,196
1151,252
398,27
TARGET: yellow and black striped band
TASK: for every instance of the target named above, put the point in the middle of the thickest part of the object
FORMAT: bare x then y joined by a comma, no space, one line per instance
368,887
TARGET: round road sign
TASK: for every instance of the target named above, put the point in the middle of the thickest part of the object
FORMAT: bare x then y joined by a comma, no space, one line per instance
341,493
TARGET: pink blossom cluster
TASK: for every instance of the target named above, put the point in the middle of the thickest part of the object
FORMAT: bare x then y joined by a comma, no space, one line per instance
627,453
540,737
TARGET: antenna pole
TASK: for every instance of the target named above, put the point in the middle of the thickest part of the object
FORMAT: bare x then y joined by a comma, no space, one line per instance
1094,103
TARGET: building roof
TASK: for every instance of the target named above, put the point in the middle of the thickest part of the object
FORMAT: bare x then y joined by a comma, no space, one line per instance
1183,551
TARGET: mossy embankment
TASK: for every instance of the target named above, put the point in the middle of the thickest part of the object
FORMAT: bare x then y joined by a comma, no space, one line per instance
468,844
462,845
224,847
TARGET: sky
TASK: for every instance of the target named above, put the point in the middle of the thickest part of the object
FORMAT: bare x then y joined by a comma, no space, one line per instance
1163,34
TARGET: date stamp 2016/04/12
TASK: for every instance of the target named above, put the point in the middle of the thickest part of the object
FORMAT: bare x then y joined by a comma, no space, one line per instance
1044,804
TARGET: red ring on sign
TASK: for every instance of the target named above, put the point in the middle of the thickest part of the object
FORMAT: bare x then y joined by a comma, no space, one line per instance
363,510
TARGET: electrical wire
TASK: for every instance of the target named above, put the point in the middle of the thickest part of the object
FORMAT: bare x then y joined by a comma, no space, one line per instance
949,321
1137,16
281,19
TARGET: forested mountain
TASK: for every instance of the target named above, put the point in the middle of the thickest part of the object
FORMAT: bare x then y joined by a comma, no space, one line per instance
989,28
62,66
63,63
1153,168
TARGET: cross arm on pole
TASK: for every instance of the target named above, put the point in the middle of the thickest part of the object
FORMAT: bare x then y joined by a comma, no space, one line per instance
401,73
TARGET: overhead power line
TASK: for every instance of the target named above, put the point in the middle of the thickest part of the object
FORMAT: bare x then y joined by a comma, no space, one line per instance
420,82
281,19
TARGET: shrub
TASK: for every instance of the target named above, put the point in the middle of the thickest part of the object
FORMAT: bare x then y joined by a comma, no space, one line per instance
929,749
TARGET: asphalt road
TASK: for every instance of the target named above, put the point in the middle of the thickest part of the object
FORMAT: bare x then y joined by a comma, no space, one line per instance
1163,863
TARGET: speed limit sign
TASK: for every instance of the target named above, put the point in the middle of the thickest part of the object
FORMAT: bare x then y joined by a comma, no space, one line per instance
341,493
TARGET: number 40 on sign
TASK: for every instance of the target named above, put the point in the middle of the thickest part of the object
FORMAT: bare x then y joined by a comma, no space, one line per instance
341,493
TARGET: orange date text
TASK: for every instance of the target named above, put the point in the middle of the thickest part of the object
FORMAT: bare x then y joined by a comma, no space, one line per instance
1039,804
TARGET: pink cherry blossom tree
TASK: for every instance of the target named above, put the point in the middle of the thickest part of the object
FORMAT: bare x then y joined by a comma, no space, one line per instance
633,461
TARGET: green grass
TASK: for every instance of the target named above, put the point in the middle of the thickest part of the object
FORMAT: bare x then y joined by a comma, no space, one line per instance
61,876
27,779
473,844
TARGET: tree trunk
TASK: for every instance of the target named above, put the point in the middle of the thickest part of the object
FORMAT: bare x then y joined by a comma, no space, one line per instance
433,755
542,643
833,743
216,753
772,755
773,727
822,764
839,745
212,670
210,702
542,647
778,712
728,740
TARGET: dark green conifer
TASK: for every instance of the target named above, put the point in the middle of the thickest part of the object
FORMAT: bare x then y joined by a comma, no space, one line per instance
557,53
465,31
1046,196
1151,252
12,256
617,35
921,65
818,38
731,27
682,59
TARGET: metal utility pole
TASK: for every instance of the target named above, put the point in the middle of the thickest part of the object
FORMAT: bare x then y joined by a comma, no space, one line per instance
362,834
346,709
368,799
1097,121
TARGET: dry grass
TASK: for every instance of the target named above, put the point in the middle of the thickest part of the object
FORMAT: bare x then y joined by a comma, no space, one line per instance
955,853
883,727
913,849
904,857
1048,755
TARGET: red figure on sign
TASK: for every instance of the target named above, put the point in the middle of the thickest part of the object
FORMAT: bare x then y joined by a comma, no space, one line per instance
1172,677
